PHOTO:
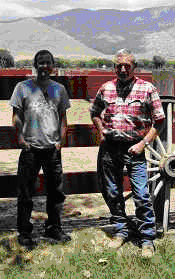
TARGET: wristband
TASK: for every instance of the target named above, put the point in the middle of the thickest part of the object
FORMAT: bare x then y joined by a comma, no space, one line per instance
145,142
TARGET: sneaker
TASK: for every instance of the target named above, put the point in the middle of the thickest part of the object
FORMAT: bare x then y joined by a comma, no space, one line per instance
116,242
57,234
147,251
25,239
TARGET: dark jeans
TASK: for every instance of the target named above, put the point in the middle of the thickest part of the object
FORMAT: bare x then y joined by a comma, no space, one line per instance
111,160
30,162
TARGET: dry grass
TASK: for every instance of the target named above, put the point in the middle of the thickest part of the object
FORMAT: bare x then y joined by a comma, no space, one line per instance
90,254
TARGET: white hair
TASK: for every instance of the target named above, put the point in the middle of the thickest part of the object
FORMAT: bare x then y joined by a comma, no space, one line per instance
123,51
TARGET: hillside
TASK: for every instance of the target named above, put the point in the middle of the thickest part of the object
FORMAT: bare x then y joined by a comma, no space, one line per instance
86,33
26,36
146,32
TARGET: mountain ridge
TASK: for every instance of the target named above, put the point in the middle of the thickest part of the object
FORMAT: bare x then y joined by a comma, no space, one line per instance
132,28
40,36
83,32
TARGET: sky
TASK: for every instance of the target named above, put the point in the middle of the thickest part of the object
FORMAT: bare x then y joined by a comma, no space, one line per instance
33,8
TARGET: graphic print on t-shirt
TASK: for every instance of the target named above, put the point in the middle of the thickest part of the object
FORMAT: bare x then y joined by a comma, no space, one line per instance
42,119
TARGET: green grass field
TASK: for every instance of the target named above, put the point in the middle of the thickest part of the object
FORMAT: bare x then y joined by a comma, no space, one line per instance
90,254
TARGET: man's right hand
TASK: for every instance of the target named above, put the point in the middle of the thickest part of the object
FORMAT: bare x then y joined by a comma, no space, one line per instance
23,144
99,138
99,134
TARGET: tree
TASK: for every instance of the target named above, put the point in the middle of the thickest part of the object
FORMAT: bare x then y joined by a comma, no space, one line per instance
92,63
6,59
61,62
140,64
158,61
27,63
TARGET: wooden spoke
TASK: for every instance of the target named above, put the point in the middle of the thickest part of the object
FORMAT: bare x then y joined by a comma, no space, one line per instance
153,178
158,187
152,161
153,169
160,144
155,153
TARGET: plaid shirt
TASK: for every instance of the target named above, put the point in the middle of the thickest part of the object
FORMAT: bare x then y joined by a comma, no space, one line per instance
129,117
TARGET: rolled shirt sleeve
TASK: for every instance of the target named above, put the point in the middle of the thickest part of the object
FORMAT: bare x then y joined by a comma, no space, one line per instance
157,111
17,97
65,103
98,105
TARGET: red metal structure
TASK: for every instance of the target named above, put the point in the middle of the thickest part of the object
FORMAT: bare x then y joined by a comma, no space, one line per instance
84,85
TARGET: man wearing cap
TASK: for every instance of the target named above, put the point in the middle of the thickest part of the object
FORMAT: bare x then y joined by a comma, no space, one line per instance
39,115
128,115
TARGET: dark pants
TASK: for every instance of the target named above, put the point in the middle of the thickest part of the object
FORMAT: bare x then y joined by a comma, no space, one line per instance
30,162
111,160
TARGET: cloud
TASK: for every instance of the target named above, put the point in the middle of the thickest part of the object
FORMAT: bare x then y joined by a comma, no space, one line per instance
111,4
141,4
11,9
99,4
34,8
31,8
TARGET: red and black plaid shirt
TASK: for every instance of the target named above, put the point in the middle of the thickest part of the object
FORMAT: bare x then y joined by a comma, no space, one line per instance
131,116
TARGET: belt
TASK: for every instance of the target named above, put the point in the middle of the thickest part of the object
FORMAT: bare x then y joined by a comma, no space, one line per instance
117,139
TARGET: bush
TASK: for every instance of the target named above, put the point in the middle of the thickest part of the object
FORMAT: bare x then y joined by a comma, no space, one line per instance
158,61
6,59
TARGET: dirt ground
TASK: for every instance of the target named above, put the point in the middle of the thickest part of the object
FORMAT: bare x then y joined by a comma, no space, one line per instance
83,210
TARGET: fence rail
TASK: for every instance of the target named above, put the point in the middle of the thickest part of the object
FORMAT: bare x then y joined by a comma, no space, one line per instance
80,86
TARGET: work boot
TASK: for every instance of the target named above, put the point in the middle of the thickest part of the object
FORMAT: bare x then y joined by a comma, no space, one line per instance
116,242
25,239
54,212
24,210
53,226
148,250
56,233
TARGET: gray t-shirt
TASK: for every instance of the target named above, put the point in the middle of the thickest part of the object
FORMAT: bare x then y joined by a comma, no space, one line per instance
42,125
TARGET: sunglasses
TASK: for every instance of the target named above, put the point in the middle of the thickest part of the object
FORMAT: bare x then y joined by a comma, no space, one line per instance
119,66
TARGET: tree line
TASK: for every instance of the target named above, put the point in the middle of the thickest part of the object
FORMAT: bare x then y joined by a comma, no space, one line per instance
157,62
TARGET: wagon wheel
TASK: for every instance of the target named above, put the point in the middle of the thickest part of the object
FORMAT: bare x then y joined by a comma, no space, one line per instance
161,162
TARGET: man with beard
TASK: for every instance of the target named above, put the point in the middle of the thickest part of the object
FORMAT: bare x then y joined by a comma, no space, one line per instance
128,114
39,115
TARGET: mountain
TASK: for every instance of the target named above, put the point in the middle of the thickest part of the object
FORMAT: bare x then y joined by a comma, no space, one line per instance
86,33
24,37
147,32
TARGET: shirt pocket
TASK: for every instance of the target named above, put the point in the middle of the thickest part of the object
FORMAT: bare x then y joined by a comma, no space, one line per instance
110,110
136,107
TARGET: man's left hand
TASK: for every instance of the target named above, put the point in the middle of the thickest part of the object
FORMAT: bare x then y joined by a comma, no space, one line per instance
58,146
